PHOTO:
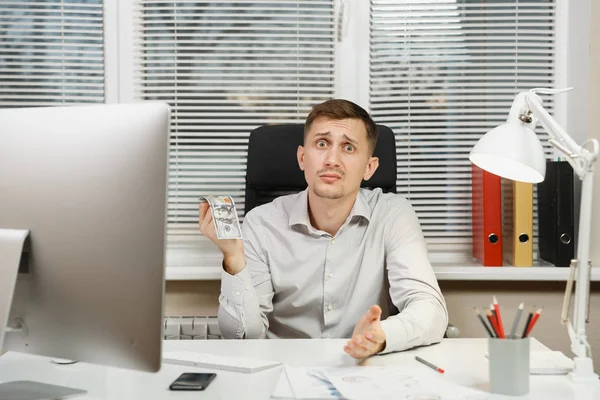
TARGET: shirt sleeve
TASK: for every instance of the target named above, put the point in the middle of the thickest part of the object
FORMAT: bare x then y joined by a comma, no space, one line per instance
414,290
246,298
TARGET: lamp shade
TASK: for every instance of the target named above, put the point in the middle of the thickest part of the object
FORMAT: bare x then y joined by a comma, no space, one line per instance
511,150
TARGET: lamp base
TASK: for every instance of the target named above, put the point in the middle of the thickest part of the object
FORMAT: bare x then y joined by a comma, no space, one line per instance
583,370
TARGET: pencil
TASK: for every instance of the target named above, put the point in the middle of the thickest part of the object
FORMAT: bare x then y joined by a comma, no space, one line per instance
487,328
533,321
490,318
527,322
430,365
495,319
499,317
513,330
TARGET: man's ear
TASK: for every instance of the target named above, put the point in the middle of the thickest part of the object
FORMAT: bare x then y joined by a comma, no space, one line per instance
371,168
300,155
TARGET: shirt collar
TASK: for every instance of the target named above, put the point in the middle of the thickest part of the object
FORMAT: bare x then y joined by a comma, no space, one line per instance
299,212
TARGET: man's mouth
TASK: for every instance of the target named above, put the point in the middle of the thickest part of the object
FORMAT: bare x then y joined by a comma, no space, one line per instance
329,177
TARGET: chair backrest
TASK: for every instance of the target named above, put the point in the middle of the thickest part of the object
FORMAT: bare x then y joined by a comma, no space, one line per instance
272,168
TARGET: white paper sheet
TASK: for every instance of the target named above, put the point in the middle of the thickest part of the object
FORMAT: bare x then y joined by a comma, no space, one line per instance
549,363
300,383
366,383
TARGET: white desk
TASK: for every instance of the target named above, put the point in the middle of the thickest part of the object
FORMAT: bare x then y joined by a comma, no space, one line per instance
463,360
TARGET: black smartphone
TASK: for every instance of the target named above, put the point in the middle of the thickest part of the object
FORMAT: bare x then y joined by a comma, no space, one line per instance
192,381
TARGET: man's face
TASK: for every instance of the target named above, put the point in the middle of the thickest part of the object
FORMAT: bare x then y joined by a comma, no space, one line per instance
336,157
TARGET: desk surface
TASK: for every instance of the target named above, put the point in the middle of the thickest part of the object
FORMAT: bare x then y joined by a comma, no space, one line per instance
463,360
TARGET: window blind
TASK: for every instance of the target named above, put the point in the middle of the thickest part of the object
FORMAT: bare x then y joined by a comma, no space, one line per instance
443,73
51,52
226,68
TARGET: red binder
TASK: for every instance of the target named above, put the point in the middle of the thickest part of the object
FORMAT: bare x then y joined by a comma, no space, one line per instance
487,217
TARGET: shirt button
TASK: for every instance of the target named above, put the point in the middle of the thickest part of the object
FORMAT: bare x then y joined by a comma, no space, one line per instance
237,293
329,307
332,241
330,275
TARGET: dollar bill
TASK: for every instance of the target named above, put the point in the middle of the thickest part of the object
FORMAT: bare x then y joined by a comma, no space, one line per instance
224,216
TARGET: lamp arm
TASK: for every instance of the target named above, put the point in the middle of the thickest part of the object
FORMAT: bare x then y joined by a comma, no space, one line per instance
580,158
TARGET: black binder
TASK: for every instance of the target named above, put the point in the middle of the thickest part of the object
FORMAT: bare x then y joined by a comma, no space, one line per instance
556,215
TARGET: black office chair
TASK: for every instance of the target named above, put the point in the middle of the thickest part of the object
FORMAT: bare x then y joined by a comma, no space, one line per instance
272,168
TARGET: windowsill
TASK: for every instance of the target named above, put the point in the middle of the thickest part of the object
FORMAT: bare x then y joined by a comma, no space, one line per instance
506,273
204,263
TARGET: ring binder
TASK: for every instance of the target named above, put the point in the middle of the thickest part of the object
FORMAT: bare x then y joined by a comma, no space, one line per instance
556,214
487,217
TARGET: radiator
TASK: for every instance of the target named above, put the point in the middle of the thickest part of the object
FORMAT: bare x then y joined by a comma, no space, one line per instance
207,327
191,328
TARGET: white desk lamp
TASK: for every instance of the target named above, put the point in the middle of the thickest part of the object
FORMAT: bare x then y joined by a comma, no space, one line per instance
513,150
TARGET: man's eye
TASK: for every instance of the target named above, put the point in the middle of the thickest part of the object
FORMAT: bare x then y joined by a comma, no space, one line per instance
321,143
349,148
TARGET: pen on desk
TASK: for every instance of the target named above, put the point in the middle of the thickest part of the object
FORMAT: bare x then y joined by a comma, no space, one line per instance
533,321
490,318
487,328
513,330
430,365
527,322
499,318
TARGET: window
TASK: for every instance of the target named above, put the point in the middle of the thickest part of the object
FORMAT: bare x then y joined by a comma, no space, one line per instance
51,52
440,73
227,68
444,72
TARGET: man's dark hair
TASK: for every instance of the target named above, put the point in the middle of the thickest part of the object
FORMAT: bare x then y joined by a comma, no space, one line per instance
338,109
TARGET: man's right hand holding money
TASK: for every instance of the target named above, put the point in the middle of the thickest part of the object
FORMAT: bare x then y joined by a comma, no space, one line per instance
232,249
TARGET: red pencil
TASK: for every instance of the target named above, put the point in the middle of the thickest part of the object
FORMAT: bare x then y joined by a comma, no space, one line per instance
499,317
536,316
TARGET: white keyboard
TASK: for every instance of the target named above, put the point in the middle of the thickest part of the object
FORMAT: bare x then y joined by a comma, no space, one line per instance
213,361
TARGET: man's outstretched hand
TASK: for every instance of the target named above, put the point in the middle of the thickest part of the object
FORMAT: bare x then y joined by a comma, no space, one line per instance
368,337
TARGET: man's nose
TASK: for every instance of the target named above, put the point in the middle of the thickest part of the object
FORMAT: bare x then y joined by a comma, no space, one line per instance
333,157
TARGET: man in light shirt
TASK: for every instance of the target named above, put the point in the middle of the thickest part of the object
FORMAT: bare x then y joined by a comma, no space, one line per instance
314,264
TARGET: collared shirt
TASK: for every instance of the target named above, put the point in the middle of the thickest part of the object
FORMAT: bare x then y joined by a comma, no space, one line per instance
300,282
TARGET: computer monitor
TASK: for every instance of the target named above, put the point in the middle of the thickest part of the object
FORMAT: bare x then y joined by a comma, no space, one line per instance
89,184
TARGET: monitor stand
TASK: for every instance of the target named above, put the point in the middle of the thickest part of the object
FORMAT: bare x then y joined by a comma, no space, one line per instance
29,390
12,242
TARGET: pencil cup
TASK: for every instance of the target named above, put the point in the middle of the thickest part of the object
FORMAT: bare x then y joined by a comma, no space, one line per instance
509,366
